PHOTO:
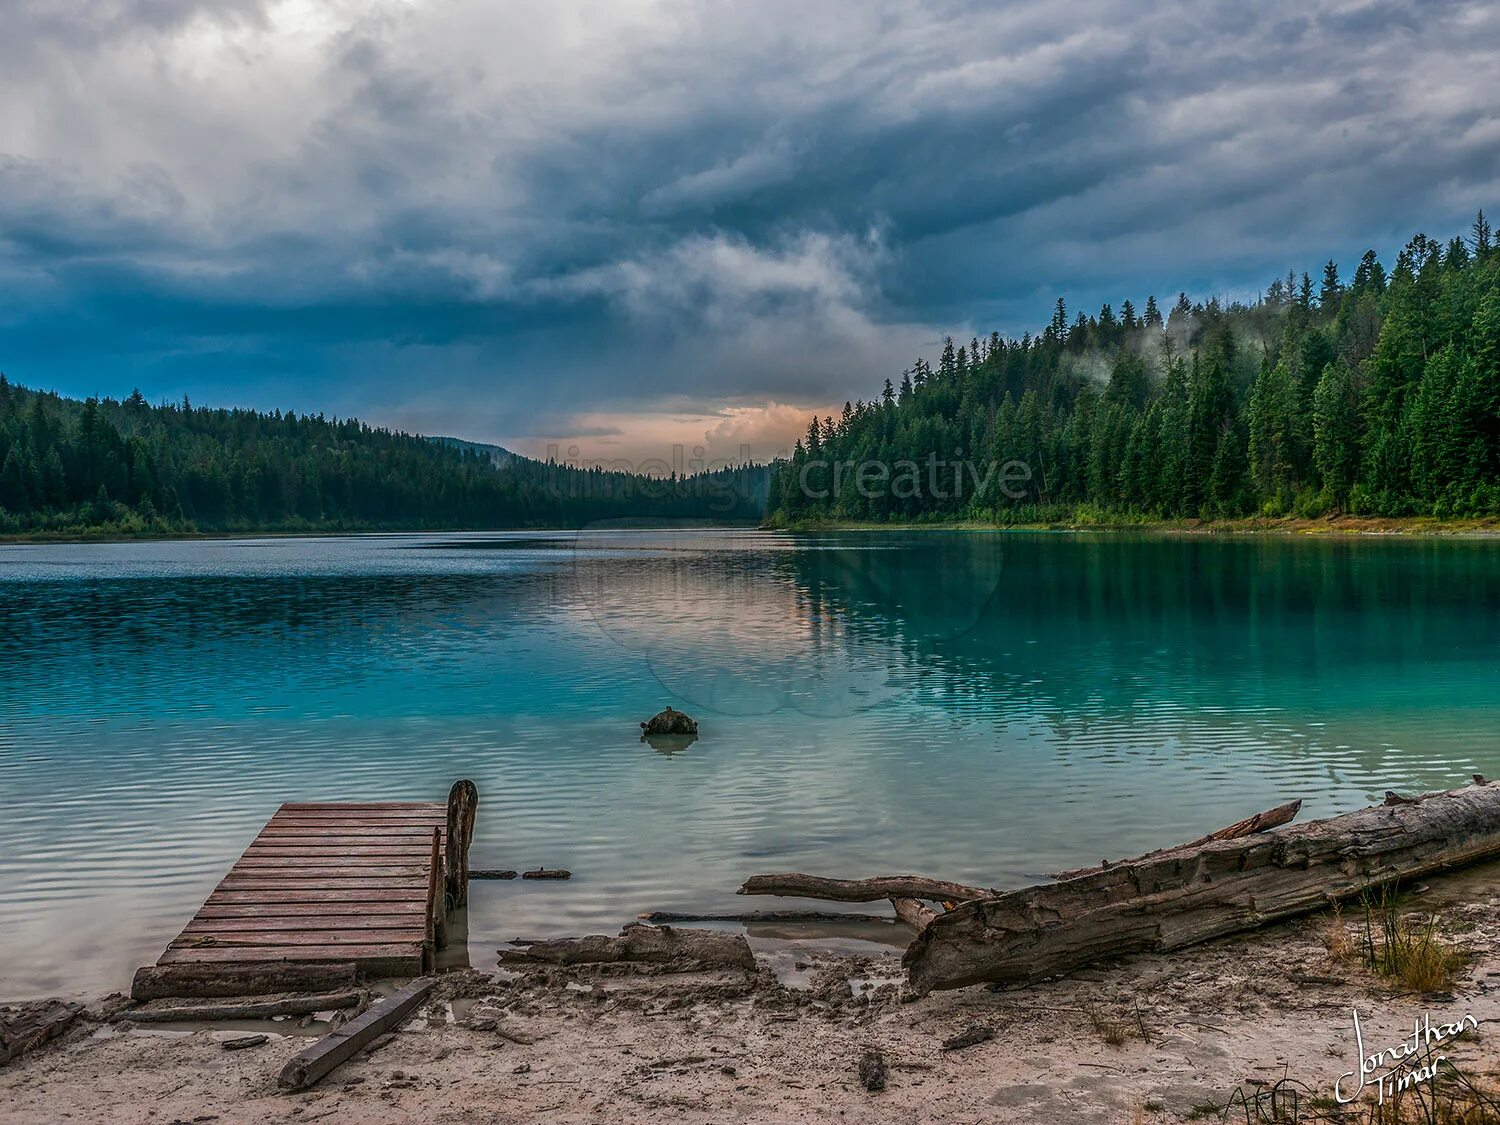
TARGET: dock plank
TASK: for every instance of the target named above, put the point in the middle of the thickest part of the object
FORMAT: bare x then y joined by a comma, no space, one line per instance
278,923
213,910
326,882
281,894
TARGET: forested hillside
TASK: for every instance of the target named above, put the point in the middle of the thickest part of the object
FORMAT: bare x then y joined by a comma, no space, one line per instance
133,467
1378,395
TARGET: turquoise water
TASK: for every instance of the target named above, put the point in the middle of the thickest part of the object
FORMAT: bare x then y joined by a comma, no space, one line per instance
983,707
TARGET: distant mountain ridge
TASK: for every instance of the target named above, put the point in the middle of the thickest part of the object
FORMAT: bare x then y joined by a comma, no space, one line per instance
497,453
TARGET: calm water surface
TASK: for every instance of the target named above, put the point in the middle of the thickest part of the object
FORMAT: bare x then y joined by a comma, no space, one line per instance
982,707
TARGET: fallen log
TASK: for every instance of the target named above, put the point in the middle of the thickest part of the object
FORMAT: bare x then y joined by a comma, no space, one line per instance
1189,895
343,1043
657,944
1260,822
547,873
754,917
157,982
491,873
255,1010
27,1026
795,885
915,914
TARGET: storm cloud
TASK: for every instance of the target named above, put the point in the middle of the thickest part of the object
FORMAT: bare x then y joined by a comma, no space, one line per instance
618,224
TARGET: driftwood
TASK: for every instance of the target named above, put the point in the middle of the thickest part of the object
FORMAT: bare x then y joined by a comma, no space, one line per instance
1190,895
906,891
25,1026
343,1043
971,1036
755,917
491,873
915,914
547,873
156,982
1260,822
463,803
244,1042
255,1010
657,944
793,885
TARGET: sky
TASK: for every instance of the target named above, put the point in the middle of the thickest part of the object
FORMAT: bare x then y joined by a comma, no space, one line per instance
613,227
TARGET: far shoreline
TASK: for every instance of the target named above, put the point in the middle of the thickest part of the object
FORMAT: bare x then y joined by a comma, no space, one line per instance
1337,527
33,538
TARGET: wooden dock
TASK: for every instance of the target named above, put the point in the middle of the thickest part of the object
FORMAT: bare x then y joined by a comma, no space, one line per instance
366,884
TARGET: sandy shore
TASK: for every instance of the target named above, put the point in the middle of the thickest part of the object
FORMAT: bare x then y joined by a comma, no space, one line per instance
1150,1039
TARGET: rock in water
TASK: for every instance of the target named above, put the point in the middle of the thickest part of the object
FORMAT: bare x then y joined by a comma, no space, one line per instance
670,722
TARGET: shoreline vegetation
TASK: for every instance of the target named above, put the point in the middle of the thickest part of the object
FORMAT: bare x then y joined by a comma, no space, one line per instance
1379,397
129,468
114,534
1480,527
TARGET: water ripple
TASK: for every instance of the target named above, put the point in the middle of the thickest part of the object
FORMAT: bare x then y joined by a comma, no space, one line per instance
981,707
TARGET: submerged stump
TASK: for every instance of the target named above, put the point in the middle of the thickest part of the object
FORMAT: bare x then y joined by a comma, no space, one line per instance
669,722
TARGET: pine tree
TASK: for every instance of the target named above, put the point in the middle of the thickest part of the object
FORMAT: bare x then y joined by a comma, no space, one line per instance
14,497
1481,236
1129,385
1331,292
1153,314
1226,484
1336,432
1057,330
1272,435
1369,276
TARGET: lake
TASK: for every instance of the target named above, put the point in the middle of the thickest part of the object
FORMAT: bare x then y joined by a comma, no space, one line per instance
983,707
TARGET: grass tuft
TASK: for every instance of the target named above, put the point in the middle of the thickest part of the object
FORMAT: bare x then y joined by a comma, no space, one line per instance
1404,948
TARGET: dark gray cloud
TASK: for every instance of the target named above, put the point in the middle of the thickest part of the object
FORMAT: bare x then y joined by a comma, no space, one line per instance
534,220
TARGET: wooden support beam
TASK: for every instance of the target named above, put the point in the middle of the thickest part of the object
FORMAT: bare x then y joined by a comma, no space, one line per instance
463,804
342,1043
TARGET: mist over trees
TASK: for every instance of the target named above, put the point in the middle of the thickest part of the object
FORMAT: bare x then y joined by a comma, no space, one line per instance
130,467
1375,394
